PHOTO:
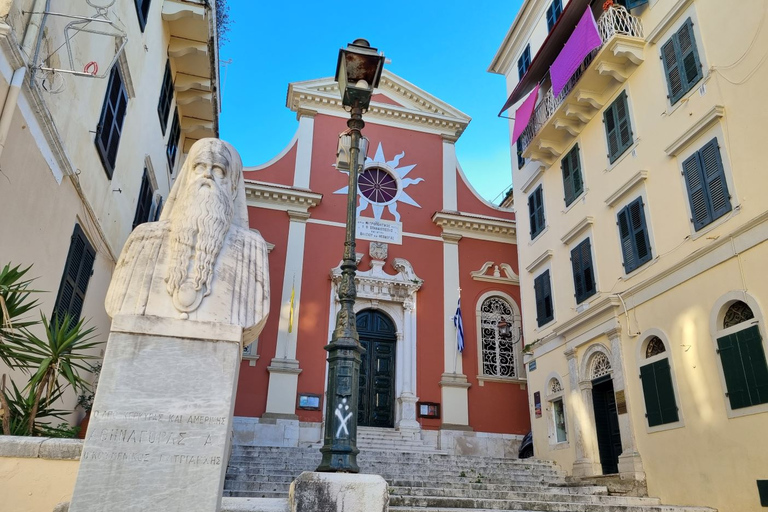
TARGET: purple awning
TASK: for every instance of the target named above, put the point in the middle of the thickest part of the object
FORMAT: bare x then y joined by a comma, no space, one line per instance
583,40
524,113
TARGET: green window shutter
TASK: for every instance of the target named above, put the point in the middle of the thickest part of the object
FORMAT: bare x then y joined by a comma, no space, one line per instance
627,249
572,182
548,309
611,132
585,248
532,213
651,394
755,367
690,66
536,211
714,177
631,4
669,56
642,244
538,288
565,165
666,393
578,275
733,370
618,129
697,197
77,273
660,404
543,291
540,221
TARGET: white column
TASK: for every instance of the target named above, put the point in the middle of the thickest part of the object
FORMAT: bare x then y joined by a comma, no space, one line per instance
453,383
450,176
580,405
284,368
630,463
407,346
304,148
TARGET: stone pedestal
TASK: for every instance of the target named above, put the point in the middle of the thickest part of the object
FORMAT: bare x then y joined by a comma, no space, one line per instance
160,427
331,492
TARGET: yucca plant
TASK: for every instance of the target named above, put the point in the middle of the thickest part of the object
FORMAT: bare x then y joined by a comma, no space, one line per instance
15,300
17,407
53,363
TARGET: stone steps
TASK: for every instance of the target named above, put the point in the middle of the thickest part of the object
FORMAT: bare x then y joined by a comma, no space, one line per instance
429,481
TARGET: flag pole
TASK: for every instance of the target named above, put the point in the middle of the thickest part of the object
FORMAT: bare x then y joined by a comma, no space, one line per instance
456,345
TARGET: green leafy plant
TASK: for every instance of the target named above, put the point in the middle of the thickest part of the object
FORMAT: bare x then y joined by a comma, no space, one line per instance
52,363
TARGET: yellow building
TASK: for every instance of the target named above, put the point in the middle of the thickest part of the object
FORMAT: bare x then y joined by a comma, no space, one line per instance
642,239
98,107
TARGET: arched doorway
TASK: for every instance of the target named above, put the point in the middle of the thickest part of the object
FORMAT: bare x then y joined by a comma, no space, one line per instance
376,402
606,414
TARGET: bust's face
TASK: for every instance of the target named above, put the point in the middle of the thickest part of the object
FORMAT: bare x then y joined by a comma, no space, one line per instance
211,167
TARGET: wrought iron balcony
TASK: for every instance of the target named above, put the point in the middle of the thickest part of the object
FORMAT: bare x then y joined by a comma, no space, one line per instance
556,121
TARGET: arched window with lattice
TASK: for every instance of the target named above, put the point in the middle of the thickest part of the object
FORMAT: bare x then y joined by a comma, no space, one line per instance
555,395
742,356
600,367
499,337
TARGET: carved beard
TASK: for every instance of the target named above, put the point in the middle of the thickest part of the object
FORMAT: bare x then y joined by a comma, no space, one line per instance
199,224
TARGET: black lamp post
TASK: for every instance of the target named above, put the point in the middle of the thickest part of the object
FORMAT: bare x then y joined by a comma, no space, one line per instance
358,72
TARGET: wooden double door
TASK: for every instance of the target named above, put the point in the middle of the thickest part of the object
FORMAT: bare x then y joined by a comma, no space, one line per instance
606,424
376,402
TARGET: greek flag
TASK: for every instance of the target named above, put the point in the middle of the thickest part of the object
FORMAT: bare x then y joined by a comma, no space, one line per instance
459,327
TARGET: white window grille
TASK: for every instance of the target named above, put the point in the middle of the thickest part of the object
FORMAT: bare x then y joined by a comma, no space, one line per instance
498,351
600,365
555,386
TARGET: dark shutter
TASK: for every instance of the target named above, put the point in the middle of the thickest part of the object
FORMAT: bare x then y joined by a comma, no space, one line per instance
733,370
714,176
660,404
553,13
696,193
578,281
631,4
520,159
755,367
618,129
166,97
681,62
633,231
572,182
144,203
583,275
142,11
523,62
173,141
77,272
707,188
110,125
536,211
543,291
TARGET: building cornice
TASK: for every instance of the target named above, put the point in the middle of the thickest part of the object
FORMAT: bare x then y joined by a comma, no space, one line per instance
476,226
417,109
280,197
518,33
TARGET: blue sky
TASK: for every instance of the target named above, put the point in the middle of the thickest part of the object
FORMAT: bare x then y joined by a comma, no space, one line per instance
443,47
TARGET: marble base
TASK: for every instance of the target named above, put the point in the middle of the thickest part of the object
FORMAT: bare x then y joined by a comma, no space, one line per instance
158,438
321,492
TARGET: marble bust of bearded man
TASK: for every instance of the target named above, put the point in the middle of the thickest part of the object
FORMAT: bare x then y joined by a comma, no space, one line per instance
200,261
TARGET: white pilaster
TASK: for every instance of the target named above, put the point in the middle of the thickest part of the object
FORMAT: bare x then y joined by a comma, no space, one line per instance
284,368
304,148
450,201
453,383
407,343
581,394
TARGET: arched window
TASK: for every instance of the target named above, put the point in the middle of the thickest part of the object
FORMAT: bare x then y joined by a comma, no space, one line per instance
656,377
742,356
601,366
499,335
558,432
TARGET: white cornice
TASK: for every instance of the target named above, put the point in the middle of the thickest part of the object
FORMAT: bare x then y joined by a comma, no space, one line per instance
545,256
711,117
416,108
667,20
476,226
614,198
280,197
518,35
509,276
577,229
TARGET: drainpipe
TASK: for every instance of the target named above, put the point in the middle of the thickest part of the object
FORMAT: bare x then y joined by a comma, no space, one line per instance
33,27
10,105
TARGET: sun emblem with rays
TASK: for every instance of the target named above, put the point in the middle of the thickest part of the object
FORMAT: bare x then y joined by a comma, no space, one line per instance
382,184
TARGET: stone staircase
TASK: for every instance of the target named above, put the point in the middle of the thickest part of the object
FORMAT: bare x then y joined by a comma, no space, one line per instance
422,479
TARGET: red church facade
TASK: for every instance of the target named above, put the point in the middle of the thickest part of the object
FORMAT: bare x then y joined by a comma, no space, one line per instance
424,237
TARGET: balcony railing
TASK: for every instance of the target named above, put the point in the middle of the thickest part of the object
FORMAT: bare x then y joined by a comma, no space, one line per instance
615,21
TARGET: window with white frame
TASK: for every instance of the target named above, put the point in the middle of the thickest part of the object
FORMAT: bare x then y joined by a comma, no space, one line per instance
559,432
499,337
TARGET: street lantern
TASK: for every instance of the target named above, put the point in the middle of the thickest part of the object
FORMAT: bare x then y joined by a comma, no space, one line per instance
358,72
505,329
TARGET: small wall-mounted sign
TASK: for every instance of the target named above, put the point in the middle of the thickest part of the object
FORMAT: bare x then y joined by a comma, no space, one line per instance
309,401
428,409
621,402
537,404
532,366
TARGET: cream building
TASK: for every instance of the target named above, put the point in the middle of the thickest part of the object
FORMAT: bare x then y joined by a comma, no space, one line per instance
641,244
99,106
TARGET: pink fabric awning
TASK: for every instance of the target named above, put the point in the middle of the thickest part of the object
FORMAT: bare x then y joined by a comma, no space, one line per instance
524,113
583,40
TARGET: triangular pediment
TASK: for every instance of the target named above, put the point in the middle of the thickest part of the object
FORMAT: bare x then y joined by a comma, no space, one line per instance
396,102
